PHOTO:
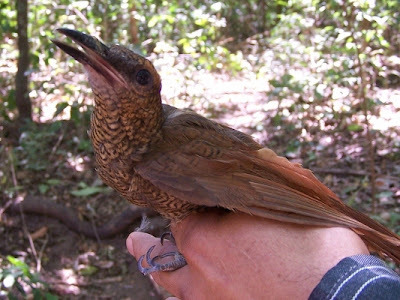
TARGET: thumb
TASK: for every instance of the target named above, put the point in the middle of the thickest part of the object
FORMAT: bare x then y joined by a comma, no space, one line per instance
139,242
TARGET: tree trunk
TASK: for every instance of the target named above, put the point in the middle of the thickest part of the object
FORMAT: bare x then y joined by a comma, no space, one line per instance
24,104
133,25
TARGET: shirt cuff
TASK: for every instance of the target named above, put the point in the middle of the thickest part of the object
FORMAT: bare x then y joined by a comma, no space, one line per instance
358,277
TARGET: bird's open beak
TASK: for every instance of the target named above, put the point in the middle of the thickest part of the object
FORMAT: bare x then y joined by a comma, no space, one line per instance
95,56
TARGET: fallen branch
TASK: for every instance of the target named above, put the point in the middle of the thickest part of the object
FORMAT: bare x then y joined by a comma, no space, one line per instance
47,207
344,172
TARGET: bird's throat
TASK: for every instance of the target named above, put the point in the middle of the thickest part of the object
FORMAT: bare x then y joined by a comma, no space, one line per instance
120,137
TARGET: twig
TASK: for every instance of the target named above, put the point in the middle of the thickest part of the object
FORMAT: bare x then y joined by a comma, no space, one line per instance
107,280
87,283
4,208
21,211
41,251
81,15
93,224
59,140
13,176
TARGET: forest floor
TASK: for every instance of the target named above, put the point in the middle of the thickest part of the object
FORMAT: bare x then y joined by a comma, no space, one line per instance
55,162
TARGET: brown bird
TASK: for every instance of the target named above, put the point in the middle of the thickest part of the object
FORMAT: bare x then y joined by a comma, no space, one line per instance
178,162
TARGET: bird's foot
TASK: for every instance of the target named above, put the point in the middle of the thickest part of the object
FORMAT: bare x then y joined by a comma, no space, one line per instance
177,262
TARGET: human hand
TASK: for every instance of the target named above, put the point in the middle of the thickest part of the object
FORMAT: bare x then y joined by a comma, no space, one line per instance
237,256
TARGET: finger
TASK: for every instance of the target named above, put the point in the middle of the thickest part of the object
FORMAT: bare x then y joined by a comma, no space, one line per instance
138,244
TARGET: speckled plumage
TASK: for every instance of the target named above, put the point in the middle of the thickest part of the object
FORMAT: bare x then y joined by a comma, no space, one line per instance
177,162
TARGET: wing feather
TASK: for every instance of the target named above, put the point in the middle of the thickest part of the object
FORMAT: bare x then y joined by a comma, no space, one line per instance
244,182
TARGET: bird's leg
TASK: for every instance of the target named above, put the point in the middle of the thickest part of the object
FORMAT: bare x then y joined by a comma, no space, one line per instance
177,262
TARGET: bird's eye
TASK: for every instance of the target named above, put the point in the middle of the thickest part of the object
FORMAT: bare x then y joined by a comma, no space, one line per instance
143,77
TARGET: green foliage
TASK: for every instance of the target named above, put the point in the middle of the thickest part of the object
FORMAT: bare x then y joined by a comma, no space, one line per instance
85,190
327,36
44,187
80,118
16,278
286,86
354,127
391,221
8,22
36,146
88,270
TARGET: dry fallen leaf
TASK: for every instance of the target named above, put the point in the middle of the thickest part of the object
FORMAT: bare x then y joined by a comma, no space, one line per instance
41,232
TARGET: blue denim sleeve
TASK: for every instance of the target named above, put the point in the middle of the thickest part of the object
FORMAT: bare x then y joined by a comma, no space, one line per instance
358,277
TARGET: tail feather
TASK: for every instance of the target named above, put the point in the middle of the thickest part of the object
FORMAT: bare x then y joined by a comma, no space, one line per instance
331,209
378,238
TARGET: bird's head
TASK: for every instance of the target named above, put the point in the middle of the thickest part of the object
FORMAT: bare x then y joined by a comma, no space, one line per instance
120,78
128,111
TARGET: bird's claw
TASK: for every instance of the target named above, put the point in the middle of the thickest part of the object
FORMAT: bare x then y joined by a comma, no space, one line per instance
178,262
170,237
